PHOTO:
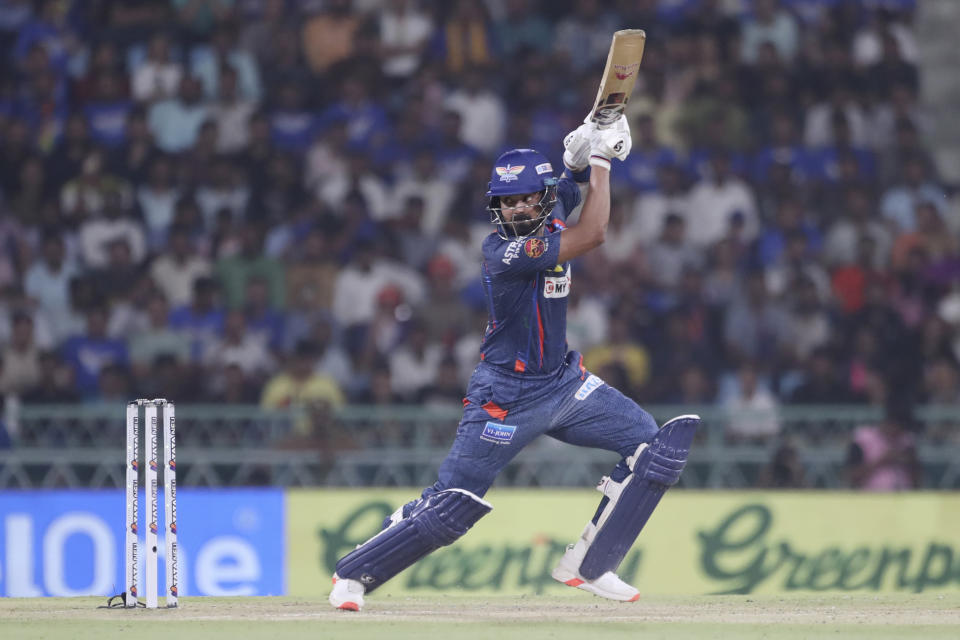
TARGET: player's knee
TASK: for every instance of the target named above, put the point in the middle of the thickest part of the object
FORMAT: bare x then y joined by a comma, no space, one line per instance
662,459
448,515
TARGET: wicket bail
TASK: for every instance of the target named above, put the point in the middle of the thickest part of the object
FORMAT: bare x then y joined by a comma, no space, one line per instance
132,555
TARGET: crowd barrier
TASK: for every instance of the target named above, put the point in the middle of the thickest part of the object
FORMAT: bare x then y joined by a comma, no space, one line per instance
402,446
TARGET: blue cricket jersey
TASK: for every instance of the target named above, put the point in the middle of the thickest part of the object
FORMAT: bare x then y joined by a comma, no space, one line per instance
526,293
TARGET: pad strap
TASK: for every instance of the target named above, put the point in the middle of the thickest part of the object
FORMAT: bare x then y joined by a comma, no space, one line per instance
434,522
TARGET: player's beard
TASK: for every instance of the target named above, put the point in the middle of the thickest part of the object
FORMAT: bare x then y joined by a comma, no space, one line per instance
523,224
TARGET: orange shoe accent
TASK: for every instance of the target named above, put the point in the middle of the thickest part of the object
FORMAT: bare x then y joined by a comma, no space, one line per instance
575,582
349,606
495,410
634,598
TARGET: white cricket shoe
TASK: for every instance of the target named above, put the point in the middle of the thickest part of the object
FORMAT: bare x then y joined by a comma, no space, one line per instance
606,586
347,594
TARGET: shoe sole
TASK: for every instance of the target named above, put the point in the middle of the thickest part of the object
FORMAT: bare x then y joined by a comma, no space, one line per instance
346,605
579,583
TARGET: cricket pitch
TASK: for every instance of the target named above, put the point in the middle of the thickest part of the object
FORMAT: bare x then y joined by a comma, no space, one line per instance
458,615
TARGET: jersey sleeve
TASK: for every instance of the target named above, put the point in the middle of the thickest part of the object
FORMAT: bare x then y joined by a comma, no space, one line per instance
569,195
521,256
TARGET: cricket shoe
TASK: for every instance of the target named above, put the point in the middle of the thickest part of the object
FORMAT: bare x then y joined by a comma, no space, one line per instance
347,594
606,586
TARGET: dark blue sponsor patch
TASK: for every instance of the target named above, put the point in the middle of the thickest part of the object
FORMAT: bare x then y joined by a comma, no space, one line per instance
498,433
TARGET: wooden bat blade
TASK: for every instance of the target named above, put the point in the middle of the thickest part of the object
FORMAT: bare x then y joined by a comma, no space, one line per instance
619,76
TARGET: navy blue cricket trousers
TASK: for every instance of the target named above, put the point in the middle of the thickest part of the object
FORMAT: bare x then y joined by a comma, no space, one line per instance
505,411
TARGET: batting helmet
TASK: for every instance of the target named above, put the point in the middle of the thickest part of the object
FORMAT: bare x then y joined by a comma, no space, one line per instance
518,172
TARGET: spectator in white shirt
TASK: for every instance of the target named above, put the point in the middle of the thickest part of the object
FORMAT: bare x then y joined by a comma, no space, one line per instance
158,199
209,61
715,200
818,127
175,121
858,219
241,348
360,282
405,31
483,117
651,208
414,364
769,23
47,282
224,189
752,411
899,203
670,254
231,113
98,233
436,192
157,77
175,271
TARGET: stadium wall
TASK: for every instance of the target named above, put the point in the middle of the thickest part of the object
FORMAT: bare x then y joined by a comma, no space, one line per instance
70,543
698,542
270,542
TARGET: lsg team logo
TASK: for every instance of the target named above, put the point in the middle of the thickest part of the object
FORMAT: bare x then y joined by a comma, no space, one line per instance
509,173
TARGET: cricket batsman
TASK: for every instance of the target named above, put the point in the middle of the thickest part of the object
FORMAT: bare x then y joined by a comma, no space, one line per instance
528,384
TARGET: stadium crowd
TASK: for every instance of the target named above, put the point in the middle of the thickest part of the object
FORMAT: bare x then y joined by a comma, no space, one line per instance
281,201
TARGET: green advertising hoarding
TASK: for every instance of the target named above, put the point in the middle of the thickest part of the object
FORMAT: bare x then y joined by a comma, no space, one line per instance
695,543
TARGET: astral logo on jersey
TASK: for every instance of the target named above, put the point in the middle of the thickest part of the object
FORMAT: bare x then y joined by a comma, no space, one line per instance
590,385
498,433
534,247
512,251
508,173
556,286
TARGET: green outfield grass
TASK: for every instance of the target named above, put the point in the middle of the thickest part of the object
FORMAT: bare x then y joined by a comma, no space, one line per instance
928,616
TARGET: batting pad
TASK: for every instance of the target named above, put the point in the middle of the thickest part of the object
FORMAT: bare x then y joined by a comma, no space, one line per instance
655,470
435,522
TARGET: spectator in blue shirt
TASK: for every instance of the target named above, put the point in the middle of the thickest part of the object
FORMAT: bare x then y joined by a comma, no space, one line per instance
646,158
262,320
365,120
202,319
789,220
107,113
826,160
89,353
454,156
292,126
784,148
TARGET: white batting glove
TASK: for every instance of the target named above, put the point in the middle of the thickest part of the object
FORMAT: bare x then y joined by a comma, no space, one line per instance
576,144
611,142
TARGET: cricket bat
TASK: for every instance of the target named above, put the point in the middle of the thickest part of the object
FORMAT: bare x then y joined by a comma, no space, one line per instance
619,76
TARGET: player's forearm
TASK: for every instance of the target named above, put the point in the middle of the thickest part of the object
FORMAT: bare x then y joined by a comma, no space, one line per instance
596,208
590,231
